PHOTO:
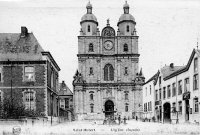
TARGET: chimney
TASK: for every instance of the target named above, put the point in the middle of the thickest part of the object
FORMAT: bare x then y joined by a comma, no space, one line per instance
24,31
172,65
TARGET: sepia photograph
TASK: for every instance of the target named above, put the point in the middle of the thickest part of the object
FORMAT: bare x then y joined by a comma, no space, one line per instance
94,67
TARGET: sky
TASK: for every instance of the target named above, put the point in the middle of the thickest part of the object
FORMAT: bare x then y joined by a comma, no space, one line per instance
168,30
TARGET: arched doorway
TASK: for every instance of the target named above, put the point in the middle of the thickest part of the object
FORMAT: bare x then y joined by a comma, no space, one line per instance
109,108
167,112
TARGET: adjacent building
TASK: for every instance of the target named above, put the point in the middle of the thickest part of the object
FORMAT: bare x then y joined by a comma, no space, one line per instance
28,75
176,92
66,102
149,97
108,82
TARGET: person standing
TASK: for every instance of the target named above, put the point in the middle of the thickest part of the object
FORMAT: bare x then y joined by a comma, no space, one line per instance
119,119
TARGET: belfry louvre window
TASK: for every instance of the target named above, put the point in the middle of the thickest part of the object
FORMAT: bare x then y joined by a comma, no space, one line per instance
127,28
29,74
88,28
91,47
108,72
125,48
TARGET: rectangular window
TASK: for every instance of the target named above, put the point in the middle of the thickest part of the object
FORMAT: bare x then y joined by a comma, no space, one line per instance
164,92
159,94
168,91
92,108
29,74
195,65
160,80
173,107
0,96
180,87
126,108
150,90
196,105
156,95
146,91
29,100
66,102
0,74
150,106
173,89
195,82
180,107
187,85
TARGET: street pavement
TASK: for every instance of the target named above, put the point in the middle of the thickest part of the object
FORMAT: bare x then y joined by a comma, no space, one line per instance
97,128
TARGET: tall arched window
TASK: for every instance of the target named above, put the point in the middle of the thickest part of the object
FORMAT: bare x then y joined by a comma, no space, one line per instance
127,28
91,97
125,48
91,48
88,28
108,72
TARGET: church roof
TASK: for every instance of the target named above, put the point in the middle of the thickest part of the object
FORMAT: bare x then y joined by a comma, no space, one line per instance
89,16
126,17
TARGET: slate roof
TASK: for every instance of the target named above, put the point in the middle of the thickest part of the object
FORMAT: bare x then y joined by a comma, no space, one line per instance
167,70
17,48
185,68
154,77
64,90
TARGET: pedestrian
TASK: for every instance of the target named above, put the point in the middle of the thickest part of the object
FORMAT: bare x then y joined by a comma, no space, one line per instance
136,118
124,119
119,119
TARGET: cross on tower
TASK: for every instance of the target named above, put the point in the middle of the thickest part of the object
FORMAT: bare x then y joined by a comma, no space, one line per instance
108,22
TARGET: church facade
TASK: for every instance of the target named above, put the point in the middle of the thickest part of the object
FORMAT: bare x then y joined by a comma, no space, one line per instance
108,82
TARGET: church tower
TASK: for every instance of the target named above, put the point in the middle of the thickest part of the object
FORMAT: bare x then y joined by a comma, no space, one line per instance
107,82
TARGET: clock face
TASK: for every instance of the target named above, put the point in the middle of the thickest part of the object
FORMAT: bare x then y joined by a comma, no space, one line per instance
108,45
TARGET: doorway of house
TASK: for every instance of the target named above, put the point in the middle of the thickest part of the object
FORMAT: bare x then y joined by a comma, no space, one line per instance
187,110
109,109
167,112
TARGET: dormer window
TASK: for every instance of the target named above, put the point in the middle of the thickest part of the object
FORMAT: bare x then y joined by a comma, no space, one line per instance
125,48
127,28
91,48
88,28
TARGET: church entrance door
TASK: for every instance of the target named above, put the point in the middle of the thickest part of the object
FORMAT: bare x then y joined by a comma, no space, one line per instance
109,109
